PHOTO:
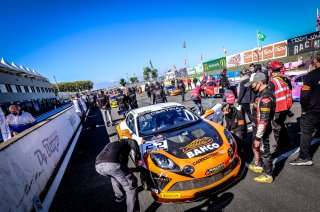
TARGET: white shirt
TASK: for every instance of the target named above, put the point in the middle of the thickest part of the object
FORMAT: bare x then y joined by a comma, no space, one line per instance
21,122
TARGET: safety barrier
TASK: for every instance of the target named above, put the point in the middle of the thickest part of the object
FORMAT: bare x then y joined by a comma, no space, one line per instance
28,160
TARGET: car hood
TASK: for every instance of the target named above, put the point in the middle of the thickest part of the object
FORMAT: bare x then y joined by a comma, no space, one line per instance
189,142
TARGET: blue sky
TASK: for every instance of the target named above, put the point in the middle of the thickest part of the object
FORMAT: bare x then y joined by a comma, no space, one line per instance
103,40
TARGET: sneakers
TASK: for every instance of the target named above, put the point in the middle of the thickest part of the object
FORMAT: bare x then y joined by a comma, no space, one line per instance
264,179
301,162
255,168
120,199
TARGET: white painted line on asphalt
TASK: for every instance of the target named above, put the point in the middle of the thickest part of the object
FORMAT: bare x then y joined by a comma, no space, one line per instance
56,182
85,119
288,154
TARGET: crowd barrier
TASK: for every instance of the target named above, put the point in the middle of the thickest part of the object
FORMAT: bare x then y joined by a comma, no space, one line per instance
28,160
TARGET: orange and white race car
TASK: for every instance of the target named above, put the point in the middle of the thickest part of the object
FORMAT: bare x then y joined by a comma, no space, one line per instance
184,156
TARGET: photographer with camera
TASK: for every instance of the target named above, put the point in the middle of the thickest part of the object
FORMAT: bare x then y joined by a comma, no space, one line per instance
281,86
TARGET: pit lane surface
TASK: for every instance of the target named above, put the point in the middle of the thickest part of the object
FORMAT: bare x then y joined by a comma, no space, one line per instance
294,188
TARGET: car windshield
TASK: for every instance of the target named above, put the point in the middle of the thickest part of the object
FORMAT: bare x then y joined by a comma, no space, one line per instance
165,119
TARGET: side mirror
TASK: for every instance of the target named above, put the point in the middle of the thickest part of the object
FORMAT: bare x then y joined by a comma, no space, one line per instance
125,134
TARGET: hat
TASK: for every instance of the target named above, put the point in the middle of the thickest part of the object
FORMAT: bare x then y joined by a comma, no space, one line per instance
256,77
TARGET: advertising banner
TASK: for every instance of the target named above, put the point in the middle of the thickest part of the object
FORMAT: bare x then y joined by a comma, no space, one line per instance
247,57
280,49
267,52
215,65
256,53
235,60
304,44
28,163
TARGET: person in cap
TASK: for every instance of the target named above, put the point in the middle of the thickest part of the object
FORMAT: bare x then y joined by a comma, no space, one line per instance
262,114
281,87
310,113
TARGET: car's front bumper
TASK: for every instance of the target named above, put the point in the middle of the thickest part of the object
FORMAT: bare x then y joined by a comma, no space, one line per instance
192,190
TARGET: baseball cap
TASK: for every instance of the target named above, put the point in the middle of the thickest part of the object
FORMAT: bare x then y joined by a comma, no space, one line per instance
256,77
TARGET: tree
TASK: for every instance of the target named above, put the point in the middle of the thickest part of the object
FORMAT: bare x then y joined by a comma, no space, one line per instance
134,80
122,82
148,70
75,86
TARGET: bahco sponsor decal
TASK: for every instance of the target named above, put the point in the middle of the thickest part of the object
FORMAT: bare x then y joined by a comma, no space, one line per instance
280,49
197,143
267,52
199,146
247,57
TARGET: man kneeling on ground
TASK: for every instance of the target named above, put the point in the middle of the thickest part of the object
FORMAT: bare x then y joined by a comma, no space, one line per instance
113,162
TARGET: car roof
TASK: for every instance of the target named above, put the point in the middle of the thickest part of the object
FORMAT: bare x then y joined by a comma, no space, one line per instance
155,107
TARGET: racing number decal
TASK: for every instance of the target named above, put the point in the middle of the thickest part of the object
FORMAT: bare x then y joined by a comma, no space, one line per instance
162,144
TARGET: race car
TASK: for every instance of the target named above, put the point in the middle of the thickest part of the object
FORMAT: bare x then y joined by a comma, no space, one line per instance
297,83
172,90
213,88
113,101
184,156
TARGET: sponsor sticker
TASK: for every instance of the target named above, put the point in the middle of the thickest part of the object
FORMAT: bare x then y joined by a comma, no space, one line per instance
214,169
212,155
265,109
305,88
202,149
171,195
196,143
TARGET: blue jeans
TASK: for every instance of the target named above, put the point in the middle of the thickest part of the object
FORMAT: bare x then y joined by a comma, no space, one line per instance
198,105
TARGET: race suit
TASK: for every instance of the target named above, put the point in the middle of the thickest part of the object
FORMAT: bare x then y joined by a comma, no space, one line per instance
262,114
235,123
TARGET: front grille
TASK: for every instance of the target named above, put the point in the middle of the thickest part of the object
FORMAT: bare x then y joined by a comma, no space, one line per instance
202,182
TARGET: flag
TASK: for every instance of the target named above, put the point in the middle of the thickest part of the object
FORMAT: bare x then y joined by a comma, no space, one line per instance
151,64
318,20
261,36
224,51
174,66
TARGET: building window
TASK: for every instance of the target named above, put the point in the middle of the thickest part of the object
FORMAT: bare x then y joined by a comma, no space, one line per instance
42,89
22,89
32,89
3,88
38,89
18,88
9,89
26,89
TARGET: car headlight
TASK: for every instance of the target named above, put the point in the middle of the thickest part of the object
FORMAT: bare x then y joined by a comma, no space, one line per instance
162,161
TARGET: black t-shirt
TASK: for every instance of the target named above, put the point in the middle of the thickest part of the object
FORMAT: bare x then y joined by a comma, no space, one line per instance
310,92
118,152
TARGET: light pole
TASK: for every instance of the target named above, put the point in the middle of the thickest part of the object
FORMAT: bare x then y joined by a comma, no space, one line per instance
127,78
184,45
